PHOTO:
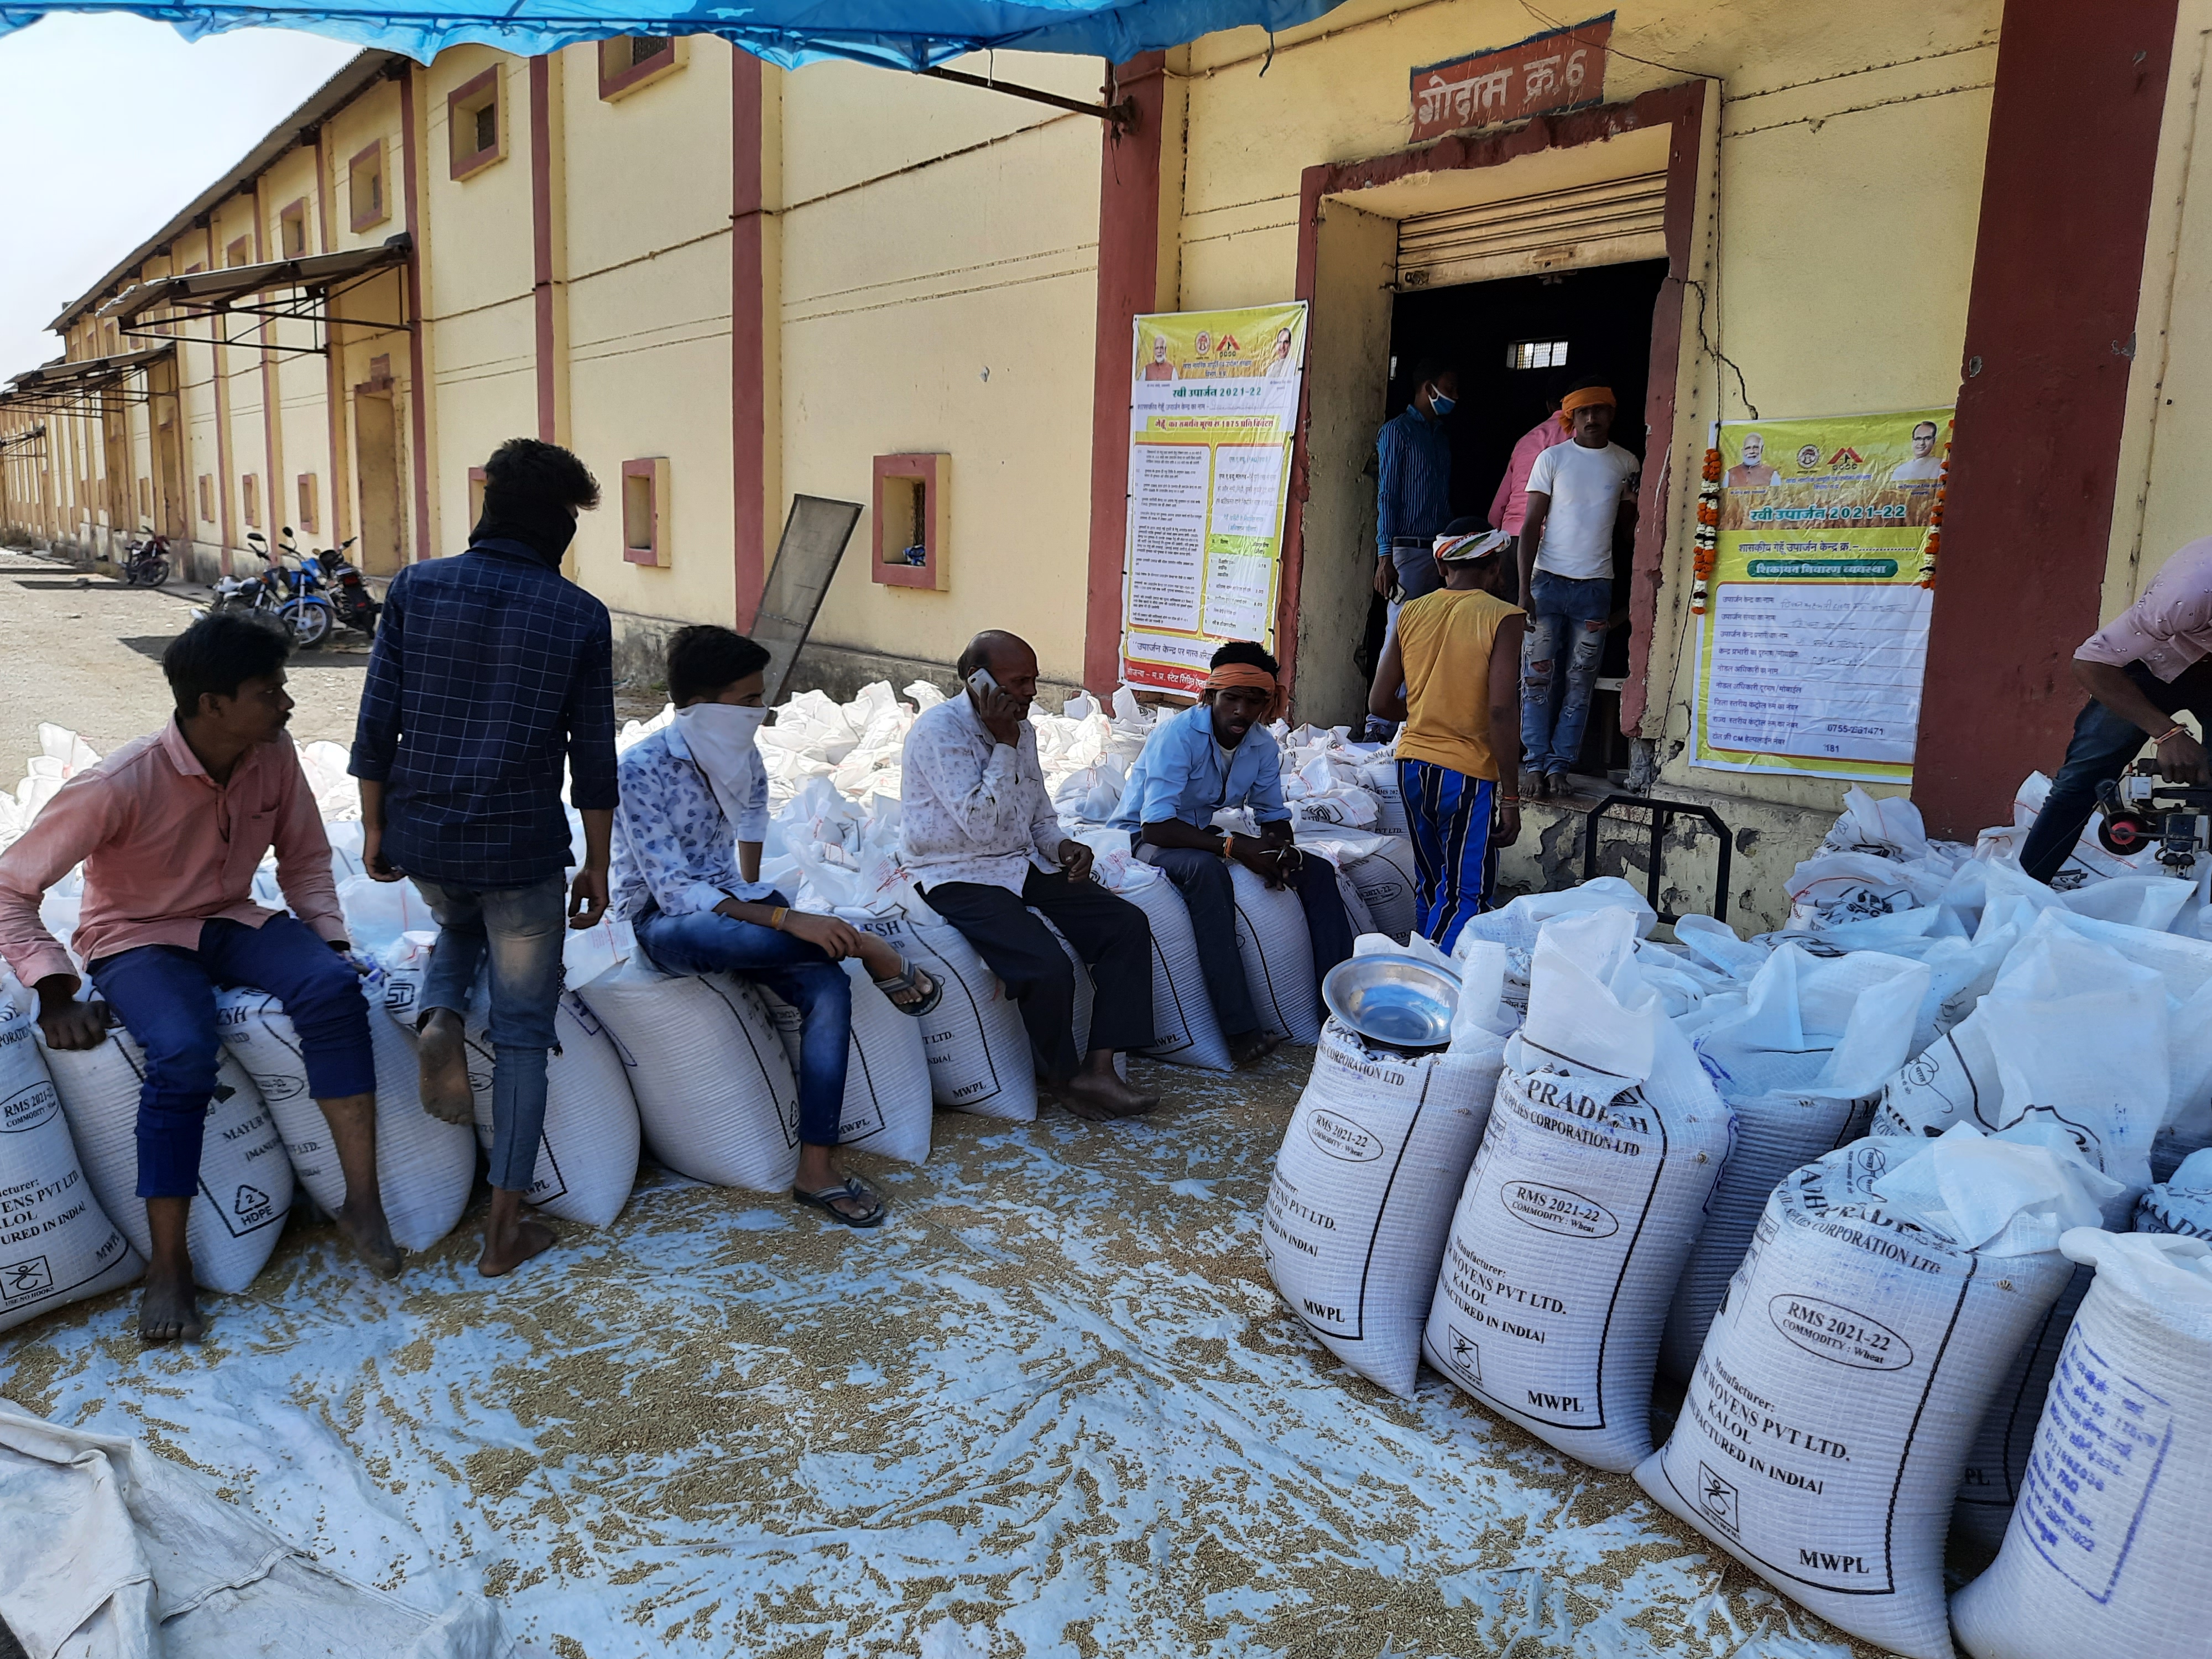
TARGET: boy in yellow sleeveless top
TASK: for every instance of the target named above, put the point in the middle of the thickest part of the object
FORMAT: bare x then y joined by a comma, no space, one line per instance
1457,653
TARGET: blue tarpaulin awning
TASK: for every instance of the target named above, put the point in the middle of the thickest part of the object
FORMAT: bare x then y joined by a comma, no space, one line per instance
910,34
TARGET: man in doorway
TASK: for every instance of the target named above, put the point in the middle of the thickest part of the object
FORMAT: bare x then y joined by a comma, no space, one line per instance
2150,663
689,832
979,834
1508,508
1750,472
1924,465
1458,652
1412,492
1219,754
1582,503
170,829
489,670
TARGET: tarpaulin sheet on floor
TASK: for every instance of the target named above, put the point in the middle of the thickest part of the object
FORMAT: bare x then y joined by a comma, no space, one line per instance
1055,1401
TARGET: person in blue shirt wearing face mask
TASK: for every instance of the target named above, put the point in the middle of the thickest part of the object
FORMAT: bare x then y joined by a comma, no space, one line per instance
1413,495
687,841
1220,754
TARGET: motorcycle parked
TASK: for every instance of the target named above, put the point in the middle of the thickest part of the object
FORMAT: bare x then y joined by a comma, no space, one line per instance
146,563
292,597
350,600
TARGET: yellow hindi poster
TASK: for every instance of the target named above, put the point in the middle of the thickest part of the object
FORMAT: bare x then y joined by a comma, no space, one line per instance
1213,403
1814,637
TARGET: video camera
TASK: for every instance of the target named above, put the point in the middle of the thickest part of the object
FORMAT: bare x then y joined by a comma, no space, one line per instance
2139,807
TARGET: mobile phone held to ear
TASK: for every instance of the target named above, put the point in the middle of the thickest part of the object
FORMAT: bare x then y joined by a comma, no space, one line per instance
981,684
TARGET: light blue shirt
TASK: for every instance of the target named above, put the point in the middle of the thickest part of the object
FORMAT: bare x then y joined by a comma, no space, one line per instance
674,846
1181,774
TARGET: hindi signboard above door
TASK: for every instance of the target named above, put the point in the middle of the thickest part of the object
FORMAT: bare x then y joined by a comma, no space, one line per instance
1557,70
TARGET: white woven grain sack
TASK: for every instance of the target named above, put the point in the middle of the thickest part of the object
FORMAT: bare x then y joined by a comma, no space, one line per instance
56,1243
2182,1203
1376,1150
977,1047
1385,880
1583,1205
1799,1061
1355,907
888,1106
1278,953
1185,1029
1517,923
1380,779
587,1153
715,1095
2106,1552
1889,1285
245,1179
1086,994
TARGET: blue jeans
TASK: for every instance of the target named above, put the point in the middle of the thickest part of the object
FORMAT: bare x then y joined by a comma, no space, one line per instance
1208,893
707,942
1559,658
2102,746
520,930
166,996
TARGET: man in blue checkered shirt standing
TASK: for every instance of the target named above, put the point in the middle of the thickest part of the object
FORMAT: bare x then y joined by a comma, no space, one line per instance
490,671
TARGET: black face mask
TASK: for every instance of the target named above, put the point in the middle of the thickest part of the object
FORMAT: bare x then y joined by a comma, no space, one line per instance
544,526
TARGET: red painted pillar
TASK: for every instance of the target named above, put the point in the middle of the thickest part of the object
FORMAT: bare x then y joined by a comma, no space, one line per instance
2058,264
1128,286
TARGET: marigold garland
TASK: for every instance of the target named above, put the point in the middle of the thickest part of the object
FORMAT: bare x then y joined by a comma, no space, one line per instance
1709,531
1934,542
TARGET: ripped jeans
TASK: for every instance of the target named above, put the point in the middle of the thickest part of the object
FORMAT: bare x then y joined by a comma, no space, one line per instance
1559,658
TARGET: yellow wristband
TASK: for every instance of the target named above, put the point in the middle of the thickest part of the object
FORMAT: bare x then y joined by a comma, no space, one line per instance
775,919
1229,844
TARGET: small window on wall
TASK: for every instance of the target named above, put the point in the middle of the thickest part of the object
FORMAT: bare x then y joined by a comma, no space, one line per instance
292,230
145,498
239,252
207,498
365,187
474,128
644,511
306,501
911,521
249,489
629,61
1536,354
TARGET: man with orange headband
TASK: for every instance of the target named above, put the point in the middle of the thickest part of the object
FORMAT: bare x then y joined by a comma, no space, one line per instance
1582,502
1220,756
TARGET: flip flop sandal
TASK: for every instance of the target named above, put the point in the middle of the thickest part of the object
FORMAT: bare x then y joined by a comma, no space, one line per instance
912,980
825,1201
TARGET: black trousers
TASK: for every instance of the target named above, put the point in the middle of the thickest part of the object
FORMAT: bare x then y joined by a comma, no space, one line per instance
1111,935
2102,746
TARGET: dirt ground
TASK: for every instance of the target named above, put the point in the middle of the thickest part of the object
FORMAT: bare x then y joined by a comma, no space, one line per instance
85,652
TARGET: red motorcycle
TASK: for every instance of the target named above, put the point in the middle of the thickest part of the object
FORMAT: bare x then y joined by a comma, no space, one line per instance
146,563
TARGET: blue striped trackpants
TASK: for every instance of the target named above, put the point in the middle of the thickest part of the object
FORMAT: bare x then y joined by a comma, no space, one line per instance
1448,814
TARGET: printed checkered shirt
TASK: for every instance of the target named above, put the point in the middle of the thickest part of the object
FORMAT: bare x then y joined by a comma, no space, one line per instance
488,670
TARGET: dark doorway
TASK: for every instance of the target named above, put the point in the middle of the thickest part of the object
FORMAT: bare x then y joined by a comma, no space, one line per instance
1603,314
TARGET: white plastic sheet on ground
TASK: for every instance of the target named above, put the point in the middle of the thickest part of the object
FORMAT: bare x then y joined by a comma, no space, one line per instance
108,1551
1056,1402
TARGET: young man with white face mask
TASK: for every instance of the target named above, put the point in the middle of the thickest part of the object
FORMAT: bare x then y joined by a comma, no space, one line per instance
688,839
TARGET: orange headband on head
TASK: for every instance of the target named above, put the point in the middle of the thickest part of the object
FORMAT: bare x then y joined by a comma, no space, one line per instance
1244,677
1588,397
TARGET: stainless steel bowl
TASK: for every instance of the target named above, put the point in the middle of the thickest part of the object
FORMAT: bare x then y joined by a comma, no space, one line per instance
1402,1001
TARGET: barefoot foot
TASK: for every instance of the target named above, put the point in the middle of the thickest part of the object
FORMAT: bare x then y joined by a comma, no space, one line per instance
166,1310
1099,1098
507,1249
441,1057
1250,1047
366,1230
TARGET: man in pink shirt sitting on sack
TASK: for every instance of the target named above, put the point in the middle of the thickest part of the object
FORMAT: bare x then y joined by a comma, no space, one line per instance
2149,664
170,829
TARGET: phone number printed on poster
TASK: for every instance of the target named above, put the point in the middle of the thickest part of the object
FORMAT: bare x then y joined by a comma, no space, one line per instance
1811,658
1214,400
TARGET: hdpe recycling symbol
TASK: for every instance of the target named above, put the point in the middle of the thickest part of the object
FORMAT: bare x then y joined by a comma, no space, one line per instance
251,1199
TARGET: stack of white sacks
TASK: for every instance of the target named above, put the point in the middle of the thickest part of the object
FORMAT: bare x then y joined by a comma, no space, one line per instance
1908,1205
699,1072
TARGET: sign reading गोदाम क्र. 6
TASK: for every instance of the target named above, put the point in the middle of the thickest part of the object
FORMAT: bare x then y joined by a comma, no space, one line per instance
1556,70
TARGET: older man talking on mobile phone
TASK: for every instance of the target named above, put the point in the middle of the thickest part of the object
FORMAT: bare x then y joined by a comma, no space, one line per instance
980,836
